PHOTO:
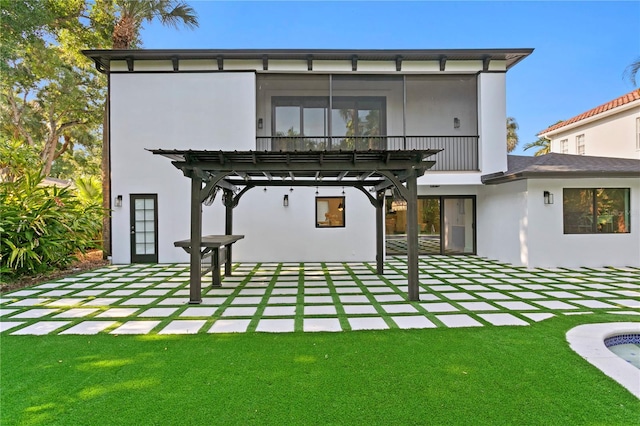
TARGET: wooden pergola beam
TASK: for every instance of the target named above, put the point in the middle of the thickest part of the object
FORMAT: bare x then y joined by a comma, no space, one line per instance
384,169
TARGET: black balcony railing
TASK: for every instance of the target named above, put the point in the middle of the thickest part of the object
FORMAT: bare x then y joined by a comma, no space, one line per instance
459,153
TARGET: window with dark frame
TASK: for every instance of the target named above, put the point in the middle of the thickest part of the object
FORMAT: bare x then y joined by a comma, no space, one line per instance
302,122
330,212
596,210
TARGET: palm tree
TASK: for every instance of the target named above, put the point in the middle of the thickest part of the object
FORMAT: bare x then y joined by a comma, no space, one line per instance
129,17
133,13
632,71
543,145
512,135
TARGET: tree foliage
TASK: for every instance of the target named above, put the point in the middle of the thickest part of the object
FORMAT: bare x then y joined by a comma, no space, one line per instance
132,14
631,71
42,227
543,146
51,96
512,134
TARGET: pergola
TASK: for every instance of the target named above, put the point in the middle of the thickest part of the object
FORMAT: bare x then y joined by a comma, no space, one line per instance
236,172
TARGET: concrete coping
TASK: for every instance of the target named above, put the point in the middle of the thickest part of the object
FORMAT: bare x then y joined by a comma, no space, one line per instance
588,341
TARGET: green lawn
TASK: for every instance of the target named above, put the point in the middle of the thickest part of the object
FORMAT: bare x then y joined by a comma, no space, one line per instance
488,375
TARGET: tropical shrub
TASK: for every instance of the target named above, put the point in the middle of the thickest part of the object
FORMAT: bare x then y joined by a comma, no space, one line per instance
41,227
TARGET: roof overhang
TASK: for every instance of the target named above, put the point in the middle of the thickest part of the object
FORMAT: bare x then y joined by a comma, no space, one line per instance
498,178
571,126
103,58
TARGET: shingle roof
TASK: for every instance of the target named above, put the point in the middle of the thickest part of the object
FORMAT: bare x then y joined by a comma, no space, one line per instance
618,102
564,165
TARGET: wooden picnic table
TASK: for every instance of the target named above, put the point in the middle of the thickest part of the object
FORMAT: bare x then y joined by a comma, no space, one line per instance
217,247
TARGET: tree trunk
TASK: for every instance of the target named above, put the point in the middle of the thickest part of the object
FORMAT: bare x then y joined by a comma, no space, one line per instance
106,185
48,153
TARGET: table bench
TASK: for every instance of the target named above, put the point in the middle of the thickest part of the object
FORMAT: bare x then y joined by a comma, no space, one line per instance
218,249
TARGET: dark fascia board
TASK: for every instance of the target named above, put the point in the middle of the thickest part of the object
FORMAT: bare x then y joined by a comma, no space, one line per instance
102,57
498,178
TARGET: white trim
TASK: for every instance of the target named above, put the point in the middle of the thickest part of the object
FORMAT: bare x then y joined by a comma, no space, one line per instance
637,133
564,146
588,341
615,110
580,143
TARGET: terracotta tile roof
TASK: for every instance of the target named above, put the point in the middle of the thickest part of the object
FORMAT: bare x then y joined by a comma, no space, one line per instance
622,100
556,165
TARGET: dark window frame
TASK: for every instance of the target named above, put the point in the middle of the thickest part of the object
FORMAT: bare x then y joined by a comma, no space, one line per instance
340,212
589,222
319,101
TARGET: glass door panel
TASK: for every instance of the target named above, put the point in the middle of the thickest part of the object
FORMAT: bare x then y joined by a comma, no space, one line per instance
428,226
144,228
459,225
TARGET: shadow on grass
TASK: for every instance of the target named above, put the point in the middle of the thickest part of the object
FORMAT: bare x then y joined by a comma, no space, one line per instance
489,375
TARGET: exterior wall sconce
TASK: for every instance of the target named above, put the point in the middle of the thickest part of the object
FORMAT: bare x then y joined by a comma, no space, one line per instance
285,200
456,123
260,123
548,197
118,202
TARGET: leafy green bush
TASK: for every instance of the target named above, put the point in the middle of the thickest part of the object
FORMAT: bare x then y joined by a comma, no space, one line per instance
41,227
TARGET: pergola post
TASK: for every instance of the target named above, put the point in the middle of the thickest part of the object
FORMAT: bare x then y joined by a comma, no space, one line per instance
195,280
228,227
412,236
380,232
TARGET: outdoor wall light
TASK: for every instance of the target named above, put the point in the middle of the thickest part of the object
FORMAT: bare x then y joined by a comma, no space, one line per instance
260,123
285,200
456,123
118,202
548,197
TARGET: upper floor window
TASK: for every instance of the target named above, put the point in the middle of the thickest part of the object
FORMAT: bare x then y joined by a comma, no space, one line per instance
596,210
303,122
580,144
564,146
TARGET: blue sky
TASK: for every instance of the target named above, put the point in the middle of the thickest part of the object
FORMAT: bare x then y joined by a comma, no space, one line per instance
581,47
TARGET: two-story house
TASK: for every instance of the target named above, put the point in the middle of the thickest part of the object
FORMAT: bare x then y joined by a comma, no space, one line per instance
608,130
241,121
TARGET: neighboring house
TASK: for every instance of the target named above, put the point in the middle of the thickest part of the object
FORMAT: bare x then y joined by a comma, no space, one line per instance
352,101
609,130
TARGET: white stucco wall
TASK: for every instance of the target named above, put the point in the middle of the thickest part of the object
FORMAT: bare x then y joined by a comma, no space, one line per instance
502,223
515,226
181,111
549,246
216,111
289,234
612,135
492,114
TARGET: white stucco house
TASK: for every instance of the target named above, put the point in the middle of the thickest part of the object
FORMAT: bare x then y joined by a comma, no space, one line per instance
608,130
449,104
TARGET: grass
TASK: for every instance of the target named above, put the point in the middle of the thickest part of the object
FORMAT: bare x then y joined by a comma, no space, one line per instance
488,375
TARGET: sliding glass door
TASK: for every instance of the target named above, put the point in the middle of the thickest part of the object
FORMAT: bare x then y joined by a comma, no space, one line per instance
446,225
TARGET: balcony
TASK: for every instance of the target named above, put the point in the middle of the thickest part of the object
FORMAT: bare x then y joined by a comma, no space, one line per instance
459,153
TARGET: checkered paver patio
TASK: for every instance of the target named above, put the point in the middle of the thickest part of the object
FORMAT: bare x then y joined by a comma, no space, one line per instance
315,297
